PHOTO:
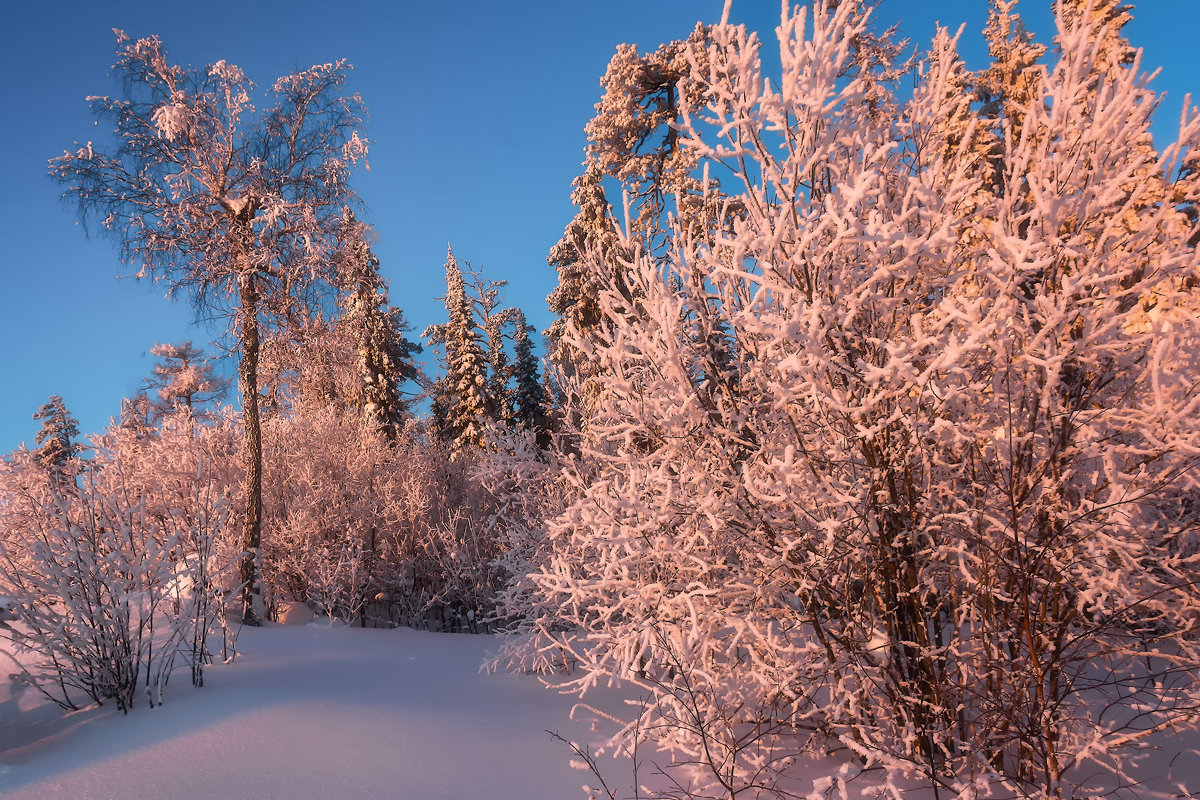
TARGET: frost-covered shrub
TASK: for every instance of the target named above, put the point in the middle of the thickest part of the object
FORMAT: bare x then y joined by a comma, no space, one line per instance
369,529
897,449
527,485
116,578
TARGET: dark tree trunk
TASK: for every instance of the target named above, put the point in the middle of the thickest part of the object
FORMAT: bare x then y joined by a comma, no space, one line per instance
251,453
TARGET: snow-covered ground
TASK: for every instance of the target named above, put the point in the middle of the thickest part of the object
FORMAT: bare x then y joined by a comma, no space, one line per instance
307,712
337,712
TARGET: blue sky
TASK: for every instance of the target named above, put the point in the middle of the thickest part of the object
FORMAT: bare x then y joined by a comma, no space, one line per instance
477,115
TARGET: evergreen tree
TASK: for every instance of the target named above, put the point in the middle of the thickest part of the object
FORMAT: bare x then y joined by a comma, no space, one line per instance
383,354
386,357
1116,62
1105,19
483,296
57,447
182,379
485,381
137,414
591,230
632,141
636,151
529,399
463,400
1004,90
499,367
1010,82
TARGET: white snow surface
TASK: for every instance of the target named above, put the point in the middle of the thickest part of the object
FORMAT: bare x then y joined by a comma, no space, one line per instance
308,712
314,711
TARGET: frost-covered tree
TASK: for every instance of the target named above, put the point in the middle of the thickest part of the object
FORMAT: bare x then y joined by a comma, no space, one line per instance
906,458
461,397
529,398
1105,19
500,367
491,373
235,207
592,229
384,355
184,379
1009,83
633,148
374,530
137,414
352,356
57,441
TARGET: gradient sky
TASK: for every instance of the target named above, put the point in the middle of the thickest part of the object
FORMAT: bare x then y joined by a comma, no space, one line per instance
476,129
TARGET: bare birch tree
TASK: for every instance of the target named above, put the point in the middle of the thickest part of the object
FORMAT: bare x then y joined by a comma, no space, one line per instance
236,208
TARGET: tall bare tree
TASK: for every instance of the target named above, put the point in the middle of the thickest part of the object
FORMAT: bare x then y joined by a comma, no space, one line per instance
236,208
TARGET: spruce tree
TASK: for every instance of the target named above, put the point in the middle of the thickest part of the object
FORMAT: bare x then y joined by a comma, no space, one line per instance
1008,85
384,356
633,142
633,150
529,410
137,415
183,379
1116,62
464,399
57,447
1106,18
499,367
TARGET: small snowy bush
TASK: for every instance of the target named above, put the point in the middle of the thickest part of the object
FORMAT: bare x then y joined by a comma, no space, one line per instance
112,580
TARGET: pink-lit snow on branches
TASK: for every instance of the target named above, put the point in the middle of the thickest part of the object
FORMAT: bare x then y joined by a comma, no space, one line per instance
896,446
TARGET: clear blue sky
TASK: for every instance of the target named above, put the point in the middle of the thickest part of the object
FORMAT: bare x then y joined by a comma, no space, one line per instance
477,115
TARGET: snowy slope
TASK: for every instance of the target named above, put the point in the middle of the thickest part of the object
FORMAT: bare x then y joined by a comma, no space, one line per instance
335,712
308,712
